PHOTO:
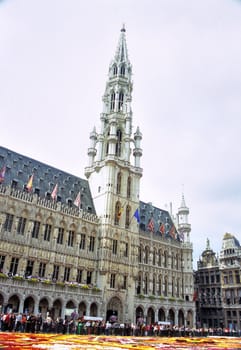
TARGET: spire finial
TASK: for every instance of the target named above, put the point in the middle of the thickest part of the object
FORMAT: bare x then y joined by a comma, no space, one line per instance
123,29
208,244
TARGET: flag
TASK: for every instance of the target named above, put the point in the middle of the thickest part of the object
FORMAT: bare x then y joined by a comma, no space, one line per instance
2,173
195,296
77,200
151,225
172,232
181,235
137,215
54,193
162,228
29,185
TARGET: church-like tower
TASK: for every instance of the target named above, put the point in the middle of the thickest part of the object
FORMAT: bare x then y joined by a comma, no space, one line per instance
114,155
114,175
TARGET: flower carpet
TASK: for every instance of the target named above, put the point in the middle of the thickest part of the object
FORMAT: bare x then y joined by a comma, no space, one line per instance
27,341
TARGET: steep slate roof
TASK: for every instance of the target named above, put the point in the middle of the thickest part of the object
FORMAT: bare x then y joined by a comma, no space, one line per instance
19,168
158,216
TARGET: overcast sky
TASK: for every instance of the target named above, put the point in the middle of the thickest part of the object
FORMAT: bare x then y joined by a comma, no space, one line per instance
186,58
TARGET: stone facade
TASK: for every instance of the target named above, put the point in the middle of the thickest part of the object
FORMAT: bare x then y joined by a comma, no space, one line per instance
106,254
218,288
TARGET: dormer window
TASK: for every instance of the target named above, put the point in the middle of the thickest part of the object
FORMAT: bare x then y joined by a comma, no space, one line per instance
14,184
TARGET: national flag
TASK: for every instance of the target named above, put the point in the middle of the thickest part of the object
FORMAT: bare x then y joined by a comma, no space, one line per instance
162,228
172,232
195,296
29,185
181,235
54,192
137,215
77,200
2,173
151,225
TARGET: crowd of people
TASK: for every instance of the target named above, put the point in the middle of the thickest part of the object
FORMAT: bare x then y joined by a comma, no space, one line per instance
30,323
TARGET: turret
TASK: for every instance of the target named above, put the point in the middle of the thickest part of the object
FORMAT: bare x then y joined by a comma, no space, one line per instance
182,221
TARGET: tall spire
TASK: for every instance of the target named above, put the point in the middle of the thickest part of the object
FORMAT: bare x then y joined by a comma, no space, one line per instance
115,151
121,54
183,203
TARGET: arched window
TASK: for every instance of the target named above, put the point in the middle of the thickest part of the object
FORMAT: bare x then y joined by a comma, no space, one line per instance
160,258
112,101
128,212
172,261
160,285
154,257
107,144
177,261
154,285
115,70
128,191
140,254
173,286
118,144
146,284
178,287
122,70
146,255
118,185
121,100
139,283
165,286
165,258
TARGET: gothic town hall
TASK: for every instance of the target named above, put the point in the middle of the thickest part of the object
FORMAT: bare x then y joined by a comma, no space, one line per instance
91,245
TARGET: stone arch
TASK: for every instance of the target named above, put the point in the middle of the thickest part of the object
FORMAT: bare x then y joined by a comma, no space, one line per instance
150,317
82,309
1,301
57,309
180,318
189,318
115,308
171,316
139,315
13,304
28,306
161,315
43,306
70,304
94,310
50,220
